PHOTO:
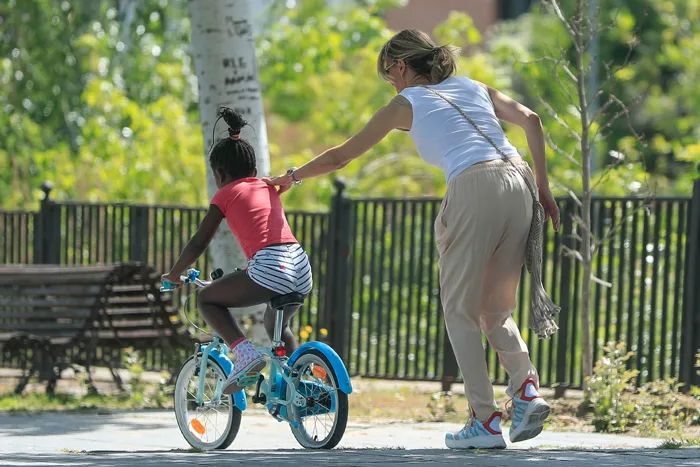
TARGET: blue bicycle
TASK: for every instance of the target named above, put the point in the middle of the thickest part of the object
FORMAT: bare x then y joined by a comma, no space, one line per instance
309,389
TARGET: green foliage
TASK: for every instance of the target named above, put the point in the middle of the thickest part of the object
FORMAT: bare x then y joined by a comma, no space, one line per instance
645,50
617,404
611,380
680,442
138,390
99,100
663,407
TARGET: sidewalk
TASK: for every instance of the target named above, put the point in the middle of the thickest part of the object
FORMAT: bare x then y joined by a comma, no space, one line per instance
152,438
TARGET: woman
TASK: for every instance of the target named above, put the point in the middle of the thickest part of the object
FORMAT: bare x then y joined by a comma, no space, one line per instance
483,223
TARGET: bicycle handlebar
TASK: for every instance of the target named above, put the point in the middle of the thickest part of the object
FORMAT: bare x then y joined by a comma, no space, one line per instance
192,277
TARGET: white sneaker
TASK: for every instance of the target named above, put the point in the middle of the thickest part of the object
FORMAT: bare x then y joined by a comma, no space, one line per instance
529,413
246,368
478,435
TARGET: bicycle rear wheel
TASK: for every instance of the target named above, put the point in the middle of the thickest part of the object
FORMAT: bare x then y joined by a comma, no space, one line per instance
213,424
321,423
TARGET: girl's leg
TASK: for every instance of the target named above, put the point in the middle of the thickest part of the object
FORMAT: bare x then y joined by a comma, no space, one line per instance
290,341
233,290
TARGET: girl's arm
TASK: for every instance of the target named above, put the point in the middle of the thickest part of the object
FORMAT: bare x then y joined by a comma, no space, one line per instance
197,244
396,114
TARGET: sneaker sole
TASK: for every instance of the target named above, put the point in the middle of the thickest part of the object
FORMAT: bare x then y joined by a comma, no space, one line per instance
250,373
532,423
482,442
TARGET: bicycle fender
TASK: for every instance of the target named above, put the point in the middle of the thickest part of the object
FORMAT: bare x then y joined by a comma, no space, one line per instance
334,359
239,398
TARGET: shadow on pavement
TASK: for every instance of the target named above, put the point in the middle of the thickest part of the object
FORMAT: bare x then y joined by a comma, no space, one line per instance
513,458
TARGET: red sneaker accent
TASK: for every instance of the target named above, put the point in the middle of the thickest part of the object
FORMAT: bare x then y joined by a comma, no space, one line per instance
522,390
487,423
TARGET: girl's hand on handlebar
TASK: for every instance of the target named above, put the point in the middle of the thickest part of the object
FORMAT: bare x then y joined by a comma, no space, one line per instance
172,278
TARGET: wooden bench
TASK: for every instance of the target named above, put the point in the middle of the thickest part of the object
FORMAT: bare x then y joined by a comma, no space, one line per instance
52,317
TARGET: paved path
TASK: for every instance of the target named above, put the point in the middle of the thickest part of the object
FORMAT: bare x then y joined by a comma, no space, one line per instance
152,439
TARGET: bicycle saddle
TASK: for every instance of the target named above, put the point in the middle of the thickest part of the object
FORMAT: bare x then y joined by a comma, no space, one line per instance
280,301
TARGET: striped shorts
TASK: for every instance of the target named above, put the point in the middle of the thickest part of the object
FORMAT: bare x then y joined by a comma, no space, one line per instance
281,268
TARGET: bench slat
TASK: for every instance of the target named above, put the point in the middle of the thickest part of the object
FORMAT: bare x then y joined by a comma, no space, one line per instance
120,288
58,279
135,334
62,302
128,299
70,313
34,327
127,311
62,289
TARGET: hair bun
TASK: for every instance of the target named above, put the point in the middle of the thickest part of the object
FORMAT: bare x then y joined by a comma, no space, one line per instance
233,119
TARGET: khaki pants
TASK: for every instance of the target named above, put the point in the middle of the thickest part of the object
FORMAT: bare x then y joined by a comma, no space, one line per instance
481,233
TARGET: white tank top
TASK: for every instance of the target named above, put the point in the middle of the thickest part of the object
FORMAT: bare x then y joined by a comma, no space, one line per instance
444,137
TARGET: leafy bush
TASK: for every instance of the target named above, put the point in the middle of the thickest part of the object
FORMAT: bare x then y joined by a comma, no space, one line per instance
663,407
617,403
138,393
610,383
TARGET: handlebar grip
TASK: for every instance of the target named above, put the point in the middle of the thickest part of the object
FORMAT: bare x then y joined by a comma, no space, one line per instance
167,286
216,274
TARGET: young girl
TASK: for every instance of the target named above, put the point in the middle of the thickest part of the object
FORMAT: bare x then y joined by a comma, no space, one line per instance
277,264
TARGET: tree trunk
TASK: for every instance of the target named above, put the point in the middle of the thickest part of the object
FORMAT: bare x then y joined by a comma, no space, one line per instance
223,48
580,39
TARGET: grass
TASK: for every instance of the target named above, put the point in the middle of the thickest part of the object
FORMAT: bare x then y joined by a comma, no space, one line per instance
39,402
681,441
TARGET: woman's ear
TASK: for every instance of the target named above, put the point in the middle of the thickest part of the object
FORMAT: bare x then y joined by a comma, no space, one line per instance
401,66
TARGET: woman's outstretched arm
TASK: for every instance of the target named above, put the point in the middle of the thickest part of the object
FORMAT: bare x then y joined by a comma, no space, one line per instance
396,114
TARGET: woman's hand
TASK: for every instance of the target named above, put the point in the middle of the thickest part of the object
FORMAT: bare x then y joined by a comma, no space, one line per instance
172,278
551,210
284,182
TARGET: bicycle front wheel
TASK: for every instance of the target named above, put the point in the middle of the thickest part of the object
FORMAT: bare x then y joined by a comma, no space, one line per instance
320,424
214,423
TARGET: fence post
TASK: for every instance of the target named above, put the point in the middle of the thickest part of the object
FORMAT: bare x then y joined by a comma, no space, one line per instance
138,233
47,229
567,239
338,273
690,330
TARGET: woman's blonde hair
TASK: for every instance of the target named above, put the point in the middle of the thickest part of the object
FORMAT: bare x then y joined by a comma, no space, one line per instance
418,50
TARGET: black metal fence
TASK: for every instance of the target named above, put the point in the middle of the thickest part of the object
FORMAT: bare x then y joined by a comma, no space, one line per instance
376,295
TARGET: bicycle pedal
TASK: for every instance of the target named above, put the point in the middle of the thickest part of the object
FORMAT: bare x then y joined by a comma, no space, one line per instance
247,380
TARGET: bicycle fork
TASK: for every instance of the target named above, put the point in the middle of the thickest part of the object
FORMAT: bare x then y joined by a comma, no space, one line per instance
205,352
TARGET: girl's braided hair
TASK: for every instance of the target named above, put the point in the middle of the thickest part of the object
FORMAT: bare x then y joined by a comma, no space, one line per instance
233,155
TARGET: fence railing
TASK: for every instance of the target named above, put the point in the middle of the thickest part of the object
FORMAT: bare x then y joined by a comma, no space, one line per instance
376,291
